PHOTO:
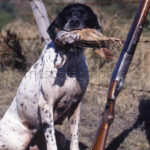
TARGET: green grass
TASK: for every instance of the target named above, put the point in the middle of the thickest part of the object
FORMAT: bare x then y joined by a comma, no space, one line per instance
5,18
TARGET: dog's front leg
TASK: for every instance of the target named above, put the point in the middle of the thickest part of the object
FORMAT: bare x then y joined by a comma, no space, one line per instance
46,112
73,124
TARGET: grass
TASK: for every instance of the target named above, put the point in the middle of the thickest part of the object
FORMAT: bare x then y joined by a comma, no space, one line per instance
123,135
5,18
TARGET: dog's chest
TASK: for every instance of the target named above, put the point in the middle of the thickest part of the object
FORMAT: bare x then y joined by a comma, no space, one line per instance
61,81
67,98
67,85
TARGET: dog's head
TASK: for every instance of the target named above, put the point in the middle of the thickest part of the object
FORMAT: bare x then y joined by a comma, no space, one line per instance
73,17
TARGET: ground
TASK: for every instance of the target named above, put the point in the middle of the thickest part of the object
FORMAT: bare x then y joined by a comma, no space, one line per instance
131,127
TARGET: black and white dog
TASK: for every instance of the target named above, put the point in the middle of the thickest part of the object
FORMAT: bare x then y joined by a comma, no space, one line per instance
52,89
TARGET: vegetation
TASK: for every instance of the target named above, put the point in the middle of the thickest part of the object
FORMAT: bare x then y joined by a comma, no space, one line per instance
7,13
131,128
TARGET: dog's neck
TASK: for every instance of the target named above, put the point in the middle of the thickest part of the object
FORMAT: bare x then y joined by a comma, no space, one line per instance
69,49
73,54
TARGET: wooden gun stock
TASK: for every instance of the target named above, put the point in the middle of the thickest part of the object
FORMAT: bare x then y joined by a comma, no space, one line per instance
119,74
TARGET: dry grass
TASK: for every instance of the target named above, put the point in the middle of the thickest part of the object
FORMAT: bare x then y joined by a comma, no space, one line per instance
130,130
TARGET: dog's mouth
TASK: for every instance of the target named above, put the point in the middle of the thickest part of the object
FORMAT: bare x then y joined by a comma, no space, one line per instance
69,29
73,26
86,38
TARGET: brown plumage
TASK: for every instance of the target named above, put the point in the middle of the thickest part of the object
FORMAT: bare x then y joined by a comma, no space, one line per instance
87,38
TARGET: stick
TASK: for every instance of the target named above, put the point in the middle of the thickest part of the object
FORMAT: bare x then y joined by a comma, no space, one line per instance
41,18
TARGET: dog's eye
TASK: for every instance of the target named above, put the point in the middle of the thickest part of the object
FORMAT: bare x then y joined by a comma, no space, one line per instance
68,15
84,13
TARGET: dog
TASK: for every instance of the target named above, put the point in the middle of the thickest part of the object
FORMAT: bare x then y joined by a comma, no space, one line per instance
52,89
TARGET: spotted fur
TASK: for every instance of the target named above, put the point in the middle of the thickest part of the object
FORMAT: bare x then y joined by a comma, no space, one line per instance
50,91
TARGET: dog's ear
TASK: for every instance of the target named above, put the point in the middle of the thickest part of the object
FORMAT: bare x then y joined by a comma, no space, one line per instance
97,25
98,28
54,28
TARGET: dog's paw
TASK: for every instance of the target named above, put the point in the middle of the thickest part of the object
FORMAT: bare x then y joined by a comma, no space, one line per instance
33,147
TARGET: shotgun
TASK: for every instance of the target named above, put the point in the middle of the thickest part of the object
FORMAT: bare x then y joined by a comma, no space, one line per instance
119,74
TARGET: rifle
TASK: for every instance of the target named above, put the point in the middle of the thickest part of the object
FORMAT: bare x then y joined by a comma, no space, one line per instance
120,72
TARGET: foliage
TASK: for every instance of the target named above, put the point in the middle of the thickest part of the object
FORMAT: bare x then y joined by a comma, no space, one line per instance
7,13
5,18
115,20
11,52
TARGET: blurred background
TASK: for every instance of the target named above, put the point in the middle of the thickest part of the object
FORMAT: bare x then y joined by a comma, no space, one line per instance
20,47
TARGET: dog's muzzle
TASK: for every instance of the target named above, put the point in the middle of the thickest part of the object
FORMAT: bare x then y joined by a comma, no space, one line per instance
74,22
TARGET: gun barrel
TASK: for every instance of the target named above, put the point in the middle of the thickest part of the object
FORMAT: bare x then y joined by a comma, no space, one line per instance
119,74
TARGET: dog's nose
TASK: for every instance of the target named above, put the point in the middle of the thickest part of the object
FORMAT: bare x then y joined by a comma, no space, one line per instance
74,22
